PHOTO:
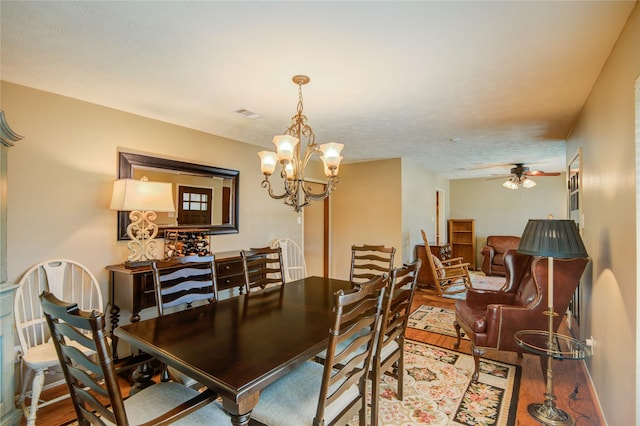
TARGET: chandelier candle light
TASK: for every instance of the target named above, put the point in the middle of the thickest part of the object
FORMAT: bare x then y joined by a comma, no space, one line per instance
296,193
143,199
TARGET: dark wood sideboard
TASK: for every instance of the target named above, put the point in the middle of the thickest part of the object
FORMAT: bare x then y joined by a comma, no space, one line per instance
132,289
441,251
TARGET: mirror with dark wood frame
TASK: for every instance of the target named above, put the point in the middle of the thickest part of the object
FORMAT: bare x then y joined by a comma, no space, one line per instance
206,197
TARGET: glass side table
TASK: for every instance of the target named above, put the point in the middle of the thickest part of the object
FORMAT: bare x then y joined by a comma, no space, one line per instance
554,346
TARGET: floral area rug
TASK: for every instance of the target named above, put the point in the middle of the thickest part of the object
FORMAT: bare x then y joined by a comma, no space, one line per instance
438,390
434,320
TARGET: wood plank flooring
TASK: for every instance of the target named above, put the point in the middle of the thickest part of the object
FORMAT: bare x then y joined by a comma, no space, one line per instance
567,374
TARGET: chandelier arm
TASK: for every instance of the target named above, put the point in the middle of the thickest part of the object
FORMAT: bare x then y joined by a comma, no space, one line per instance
330,186
267,185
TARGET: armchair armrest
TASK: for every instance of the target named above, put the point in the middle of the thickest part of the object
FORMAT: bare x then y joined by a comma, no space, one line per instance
488,251
478,297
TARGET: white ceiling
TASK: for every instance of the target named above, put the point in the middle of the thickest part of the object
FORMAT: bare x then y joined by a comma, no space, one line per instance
459,85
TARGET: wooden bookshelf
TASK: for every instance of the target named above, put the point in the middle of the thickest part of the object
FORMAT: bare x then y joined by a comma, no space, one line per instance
462,237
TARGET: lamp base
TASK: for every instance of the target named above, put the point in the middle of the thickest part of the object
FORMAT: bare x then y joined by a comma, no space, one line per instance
548,414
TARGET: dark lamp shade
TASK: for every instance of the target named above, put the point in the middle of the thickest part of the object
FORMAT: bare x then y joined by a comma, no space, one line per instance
552,238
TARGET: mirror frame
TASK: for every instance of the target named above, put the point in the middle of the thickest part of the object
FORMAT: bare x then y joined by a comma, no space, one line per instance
126,163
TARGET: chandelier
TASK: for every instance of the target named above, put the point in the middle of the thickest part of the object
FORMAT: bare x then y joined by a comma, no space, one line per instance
514,182
297,193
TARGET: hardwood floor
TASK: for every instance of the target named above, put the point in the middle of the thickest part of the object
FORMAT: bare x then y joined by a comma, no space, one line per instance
566,375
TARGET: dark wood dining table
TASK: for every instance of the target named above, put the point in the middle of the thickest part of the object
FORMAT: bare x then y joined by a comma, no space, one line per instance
240,345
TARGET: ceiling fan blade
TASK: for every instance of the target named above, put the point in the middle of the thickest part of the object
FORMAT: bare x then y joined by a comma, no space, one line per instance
499,177
540,173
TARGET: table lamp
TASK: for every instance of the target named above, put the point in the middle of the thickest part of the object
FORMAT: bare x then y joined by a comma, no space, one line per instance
142,199
553,239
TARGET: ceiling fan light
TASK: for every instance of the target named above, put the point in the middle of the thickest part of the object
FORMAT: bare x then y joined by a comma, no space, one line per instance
528,183
510,184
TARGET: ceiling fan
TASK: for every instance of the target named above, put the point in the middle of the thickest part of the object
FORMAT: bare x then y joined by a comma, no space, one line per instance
520,176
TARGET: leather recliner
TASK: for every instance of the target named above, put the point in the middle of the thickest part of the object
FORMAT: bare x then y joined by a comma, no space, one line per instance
491,317
493,253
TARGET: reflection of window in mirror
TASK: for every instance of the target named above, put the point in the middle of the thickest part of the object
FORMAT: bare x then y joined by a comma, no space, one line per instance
217,210
194,207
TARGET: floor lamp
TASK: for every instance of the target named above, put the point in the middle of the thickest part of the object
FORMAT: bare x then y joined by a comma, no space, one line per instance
552,239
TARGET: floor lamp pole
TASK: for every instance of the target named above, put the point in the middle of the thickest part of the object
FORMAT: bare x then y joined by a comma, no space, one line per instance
547,413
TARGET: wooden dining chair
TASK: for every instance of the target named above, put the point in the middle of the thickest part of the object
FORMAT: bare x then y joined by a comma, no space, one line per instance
184,281
262,267
332,393
367,261
64,278
388,357
180,282
93,383
450,276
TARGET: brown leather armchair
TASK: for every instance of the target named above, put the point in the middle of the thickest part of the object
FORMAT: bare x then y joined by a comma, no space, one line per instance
491,317
493,253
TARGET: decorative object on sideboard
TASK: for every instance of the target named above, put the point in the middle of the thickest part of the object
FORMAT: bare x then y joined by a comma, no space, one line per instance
186,242
296,194
552,239
142,199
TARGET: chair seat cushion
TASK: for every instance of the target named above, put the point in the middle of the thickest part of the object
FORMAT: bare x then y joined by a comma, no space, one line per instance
475,317
45,355
293,400
157,399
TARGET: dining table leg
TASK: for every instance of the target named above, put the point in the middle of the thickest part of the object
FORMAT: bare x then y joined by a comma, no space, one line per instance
240,411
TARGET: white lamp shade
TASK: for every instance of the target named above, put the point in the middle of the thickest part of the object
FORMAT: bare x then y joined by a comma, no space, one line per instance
510,184
285,145
268,161
132,194
528,183
331,153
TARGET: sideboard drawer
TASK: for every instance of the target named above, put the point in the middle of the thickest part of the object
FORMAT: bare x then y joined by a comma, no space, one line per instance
229,268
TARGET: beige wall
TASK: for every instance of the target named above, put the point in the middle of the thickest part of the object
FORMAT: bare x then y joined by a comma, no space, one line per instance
419,205
365,209
500,211
61,175
607,135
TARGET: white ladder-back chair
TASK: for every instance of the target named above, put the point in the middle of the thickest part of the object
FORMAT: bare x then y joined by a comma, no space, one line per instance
67,280
294,265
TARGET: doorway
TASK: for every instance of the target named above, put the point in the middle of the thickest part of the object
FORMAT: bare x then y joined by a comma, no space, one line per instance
440,218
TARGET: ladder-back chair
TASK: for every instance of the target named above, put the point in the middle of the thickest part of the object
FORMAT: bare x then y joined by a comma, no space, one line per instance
262,267
389,354
180,282
93,384
368,261
332,393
